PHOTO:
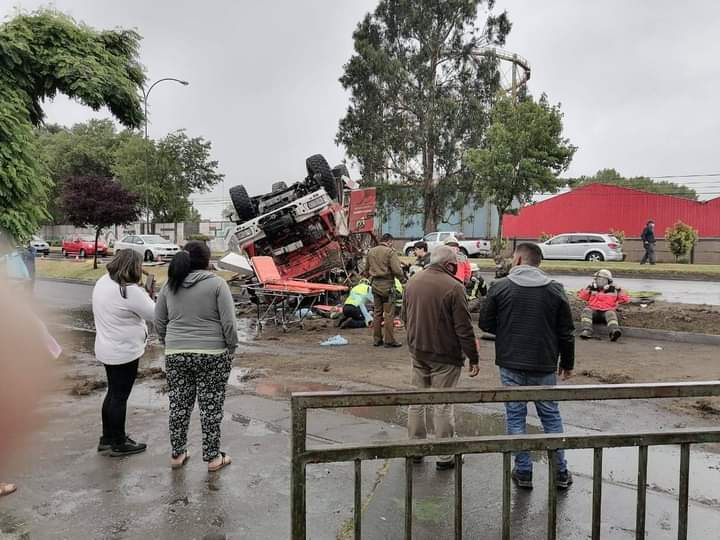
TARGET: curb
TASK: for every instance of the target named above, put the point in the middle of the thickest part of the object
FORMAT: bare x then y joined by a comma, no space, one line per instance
669,335
87,282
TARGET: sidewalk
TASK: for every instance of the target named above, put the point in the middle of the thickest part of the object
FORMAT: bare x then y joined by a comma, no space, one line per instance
68,491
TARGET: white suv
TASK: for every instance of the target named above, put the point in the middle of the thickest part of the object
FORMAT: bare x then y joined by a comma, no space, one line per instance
583,246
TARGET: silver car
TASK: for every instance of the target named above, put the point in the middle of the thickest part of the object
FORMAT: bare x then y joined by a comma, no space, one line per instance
150,246
583,247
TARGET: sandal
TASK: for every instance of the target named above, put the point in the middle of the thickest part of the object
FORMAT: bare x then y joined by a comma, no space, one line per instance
7,489
175,466
226,460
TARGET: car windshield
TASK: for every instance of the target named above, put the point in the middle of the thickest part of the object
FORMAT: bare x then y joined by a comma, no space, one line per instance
88,238
154,239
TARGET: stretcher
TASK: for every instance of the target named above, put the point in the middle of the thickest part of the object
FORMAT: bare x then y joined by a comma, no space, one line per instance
284,302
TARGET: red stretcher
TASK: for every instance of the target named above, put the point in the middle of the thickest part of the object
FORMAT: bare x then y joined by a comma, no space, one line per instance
284,301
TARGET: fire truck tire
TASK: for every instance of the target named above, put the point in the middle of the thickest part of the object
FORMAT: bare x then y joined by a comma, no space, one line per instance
340,170
317,164
279,186
242,203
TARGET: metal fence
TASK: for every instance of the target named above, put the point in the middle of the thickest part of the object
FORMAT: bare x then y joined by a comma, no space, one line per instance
302,456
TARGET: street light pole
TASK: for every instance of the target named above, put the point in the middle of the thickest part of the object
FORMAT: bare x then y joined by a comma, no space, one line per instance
146,95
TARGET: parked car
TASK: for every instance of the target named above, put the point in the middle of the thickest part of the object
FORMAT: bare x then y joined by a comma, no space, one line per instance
40,245
471,248
83,245
583,246
150,246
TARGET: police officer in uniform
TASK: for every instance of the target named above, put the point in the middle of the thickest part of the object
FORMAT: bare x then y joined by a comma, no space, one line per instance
384,267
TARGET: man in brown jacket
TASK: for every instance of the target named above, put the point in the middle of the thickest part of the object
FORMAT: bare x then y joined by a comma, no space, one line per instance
439,335
384,266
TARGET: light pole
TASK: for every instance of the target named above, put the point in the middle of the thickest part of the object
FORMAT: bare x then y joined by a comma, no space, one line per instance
146,95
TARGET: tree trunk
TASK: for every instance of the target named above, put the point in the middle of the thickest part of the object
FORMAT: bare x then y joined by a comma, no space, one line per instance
97,236
497,248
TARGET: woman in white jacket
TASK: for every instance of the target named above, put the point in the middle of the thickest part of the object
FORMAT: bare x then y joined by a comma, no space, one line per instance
120,308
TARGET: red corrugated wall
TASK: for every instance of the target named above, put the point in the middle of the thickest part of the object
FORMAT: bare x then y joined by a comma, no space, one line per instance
601,207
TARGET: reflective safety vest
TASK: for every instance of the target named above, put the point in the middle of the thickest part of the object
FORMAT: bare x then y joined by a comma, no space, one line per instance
360,294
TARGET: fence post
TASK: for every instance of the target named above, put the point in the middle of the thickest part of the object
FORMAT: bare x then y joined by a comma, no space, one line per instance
297,481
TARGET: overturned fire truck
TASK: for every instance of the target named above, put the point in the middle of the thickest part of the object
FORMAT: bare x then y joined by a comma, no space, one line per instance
319,228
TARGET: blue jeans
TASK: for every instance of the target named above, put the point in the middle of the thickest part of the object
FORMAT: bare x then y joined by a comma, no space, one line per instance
516,413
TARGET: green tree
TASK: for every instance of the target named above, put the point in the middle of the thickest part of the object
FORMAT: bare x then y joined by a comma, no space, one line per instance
643,183
523,154
177,167
419,98
41,54
681,237
86,149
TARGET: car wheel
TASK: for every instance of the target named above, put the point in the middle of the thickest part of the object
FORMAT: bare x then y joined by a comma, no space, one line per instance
82,253
464,251
149,256
594,256
319,171
242,203
409,252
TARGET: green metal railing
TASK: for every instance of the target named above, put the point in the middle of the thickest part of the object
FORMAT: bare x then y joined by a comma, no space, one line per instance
502,444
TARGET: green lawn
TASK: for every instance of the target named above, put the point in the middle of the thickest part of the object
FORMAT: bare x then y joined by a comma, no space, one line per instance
83,270
711,271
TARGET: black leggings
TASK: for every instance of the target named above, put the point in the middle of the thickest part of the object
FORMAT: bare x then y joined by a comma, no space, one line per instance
120,382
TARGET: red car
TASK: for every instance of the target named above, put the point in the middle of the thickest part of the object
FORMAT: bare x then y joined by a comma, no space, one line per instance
82,245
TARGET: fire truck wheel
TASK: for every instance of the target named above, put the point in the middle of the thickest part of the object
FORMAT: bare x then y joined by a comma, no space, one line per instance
242,203
317,165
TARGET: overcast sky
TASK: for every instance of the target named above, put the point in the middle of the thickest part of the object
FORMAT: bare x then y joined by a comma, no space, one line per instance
637,80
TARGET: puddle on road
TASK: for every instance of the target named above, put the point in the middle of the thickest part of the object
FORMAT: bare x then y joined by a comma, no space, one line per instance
268,388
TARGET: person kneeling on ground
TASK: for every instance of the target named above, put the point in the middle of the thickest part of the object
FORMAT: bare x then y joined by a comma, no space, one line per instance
355,313
439,336
603,299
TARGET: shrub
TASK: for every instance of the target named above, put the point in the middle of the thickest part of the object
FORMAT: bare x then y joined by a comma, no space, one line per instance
200,237
544,237
620,235
681,238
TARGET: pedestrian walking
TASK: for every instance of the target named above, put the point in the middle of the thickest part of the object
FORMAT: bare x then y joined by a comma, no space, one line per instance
120,308
532,322
649,241
384,268
440,335
603,299
195,320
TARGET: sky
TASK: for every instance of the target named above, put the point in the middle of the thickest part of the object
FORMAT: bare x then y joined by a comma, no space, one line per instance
636,80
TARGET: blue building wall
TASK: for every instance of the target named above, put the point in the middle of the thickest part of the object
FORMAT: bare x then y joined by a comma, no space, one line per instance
478,222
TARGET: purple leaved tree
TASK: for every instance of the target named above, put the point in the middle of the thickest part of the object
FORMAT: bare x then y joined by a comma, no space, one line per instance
98,202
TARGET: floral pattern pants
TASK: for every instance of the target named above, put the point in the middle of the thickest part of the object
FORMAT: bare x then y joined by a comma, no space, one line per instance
201,376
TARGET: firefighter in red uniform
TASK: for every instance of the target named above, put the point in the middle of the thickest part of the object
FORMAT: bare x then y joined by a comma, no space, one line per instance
464,268
603,299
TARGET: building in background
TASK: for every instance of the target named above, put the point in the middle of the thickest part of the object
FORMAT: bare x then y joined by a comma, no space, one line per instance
473,222
600,208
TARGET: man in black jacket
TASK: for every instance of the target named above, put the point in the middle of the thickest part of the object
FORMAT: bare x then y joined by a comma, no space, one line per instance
648,240
532,322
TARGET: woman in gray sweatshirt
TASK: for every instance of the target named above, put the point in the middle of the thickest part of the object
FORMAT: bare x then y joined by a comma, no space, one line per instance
195,319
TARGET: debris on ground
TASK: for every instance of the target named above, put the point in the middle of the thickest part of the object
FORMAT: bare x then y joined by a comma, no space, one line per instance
706,407
334,341
151,373
85,387
607,378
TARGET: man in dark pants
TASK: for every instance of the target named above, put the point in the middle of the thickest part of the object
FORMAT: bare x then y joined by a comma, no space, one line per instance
532,322
384,267
648,240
